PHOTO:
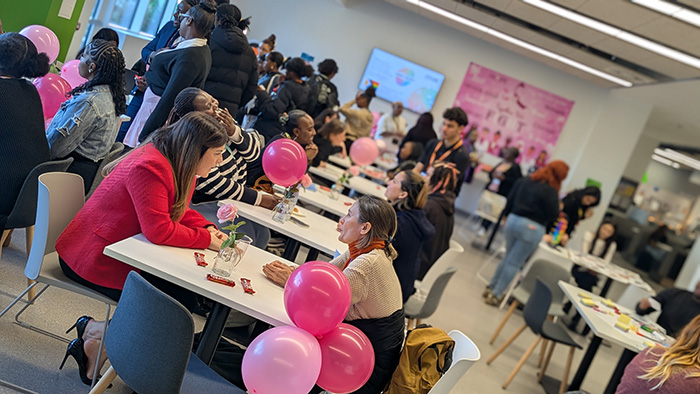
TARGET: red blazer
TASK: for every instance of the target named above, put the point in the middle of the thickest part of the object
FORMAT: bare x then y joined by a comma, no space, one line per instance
135,198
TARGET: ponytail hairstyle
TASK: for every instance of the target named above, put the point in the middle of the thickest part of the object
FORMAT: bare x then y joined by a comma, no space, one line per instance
19,57
368,94
382,218
291,120
416,192
228,16
683,357
553,174
299,67
271,41
184,104
109,70
276,58
104,33
203,16
444,178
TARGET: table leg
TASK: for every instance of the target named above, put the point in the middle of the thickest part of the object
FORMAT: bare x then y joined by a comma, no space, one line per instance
585,364
606,287
291,249
495,230
211,334
625,358
313,255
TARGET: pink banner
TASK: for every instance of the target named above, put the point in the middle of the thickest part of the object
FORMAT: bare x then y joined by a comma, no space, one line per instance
511,113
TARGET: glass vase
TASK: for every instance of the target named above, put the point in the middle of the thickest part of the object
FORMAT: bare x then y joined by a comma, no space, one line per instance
228,258
283,211
336,191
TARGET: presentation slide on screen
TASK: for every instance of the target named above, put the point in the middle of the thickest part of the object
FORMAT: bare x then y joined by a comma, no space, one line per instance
397,79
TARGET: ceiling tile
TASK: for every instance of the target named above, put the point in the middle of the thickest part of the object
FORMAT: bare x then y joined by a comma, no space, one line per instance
475,15
671,67
609,67
692,3
671,32
577,32
512,29
500,5
531,14
623,50
448,5
623,14
572,4
552,45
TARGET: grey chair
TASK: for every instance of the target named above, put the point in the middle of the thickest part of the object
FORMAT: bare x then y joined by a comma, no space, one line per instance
535,314
548,272
149,342
417,309
23,214
113,154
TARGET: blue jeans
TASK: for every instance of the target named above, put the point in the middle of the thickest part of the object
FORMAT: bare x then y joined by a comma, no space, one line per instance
259,234
522,237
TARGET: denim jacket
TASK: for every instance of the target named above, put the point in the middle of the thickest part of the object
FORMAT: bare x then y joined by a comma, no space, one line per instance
86,124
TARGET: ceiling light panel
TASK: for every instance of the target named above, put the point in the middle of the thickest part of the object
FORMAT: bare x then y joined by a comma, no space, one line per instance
672,10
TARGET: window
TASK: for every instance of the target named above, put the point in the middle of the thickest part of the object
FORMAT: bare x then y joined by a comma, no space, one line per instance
135,17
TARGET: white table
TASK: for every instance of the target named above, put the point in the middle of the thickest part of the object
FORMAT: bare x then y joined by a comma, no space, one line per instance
321,234
378,173
603,326
356,183
321,199
386,162
178,266
344,162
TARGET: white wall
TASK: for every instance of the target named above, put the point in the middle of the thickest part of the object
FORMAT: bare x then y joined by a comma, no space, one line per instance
671,179
641,157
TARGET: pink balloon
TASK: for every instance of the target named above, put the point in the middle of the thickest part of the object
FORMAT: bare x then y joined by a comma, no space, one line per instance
284,162
47,122
282,360
381,145
364,151
317,297
347,359
53,91
44,39
70,73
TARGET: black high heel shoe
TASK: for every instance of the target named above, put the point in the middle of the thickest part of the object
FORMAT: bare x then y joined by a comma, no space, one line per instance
76,350
80,325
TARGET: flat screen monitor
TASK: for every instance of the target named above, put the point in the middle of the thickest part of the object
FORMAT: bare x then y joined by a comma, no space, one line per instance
397,79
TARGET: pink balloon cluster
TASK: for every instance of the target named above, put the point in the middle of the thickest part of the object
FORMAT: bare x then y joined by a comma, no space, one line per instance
44,40
320,349
53,91
70,73
284,162
364,151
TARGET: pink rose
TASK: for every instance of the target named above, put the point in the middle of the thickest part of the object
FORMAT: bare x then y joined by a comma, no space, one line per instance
227,213
354,170
306,180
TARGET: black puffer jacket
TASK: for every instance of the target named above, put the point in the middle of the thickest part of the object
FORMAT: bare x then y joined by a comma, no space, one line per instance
289,95
233,77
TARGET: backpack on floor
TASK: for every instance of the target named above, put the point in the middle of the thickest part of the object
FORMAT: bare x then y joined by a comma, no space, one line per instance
426,356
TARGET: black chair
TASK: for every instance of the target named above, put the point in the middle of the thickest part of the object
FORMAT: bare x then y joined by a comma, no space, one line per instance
535,314
23,214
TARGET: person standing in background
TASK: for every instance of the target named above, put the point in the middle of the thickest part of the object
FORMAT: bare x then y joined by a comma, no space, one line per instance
449,149
422,132
324,93
470,143
392,127
358,121
267,46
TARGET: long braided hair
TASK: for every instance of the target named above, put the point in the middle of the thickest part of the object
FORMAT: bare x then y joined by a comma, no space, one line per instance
109,71
229,16
184,104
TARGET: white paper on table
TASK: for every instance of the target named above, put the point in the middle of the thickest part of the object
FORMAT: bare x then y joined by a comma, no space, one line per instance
66,10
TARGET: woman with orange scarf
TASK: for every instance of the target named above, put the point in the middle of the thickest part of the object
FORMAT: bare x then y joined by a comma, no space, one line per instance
376,307
533,203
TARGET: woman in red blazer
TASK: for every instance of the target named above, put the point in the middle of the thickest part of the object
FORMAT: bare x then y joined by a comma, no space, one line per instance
144,193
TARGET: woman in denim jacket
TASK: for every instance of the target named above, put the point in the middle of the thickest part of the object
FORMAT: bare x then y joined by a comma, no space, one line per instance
86,125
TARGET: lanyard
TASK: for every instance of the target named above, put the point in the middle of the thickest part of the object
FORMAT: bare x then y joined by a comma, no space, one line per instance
444,155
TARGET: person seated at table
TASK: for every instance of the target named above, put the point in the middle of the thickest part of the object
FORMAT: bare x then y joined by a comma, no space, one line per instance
532,204
325,116
408,193
227,180
407,157
299,127
672,370
376,306
86,125
440,211
601,244
147,191
678,307
330,140
578,205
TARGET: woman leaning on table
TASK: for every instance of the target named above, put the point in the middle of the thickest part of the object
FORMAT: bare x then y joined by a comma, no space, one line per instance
143,193
376,307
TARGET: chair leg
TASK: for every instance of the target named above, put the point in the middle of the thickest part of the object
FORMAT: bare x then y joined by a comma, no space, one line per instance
543,350
520,363
418,322
96,373
7,308
3,237
506,344
31,327
546,361
104,382
565,379
411,324
6,238
503,322
29,238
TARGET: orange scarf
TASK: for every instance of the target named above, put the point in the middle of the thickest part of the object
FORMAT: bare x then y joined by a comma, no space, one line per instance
355,251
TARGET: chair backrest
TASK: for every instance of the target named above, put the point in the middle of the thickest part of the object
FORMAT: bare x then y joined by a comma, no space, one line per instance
444,261
149,338
24,212
490,205
61,195
550,274
435,293
535,311
465,354
116,150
